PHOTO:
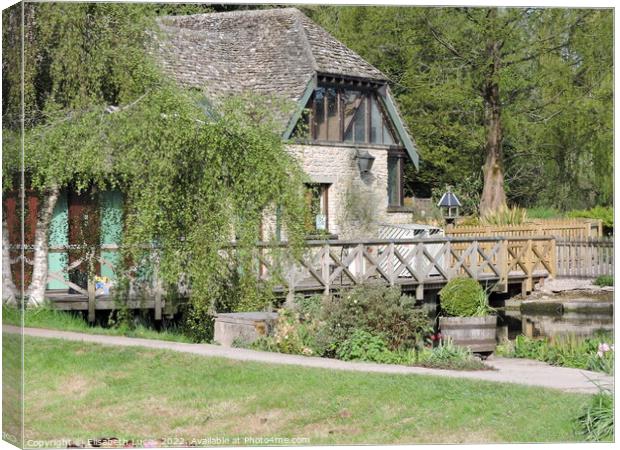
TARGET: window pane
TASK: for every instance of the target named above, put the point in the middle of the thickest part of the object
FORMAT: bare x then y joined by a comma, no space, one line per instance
316,207
333,124
360,123
376,122
352,101
387,135
319,115
380,131
394,181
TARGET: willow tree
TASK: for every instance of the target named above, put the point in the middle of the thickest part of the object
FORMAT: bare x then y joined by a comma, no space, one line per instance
99,113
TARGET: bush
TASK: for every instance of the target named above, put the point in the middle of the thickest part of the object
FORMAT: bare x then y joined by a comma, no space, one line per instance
464,297
448,356
604,280
290,335
506,216
596,423
365,346
605,213
376,309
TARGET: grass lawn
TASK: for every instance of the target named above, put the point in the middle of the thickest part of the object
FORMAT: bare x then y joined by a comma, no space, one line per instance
62,320
79,391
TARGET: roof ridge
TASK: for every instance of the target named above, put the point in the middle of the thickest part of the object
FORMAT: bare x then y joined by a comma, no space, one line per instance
237,12
306,41
308,23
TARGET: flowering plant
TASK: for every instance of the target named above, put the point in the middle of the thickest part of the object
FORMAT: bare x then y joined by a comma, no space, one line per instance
603,361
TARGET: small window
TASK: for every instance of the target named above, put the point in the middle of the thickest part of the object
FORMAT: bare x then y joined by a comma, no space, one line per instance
316,208
395,180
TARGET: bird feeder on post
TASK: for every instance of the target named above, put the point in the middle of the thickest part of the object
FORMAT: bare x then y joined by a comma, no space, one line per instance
449,205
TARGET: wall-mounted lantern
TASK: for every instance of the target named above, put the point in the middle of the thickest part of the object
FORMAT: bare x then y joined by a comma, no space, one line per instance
449,205
364,160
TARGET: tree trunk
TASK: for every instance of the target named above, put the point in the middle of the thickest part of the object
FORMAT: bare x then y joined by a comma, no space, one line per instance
36,290
9,290
493,195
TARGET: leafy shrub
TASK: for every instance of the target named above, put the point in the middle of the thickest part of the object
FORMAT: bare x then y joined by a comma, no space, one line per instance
596,423
290,335
506,216
605,213
464,297
365,346
449,356
309,308
604,280
376,309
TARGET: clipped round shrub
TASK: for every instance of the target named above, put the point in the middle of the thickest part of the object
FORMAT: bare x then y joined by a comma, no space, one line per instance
464,297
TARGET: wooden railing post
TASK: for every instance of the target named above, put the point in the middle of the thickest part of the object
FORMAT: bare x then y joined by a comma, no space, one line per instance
474,259
553,259
359,262
91,297
503,264
529,264
325,272
391,265
157,286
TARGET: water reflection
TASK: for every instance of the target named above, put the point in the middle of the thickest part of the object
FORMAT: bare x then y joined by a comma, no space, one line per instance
512,323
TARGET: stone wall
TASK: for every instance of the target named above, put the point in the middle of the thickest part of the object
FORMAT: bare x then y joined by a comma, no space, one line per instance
357,203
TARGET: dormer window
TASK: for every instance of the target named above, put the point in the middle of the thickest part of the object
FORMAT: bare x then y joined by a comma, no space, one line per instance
345,112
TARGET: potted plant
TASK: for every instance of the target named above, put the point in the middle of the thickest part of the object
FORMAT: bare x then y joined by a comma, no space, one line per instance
466,317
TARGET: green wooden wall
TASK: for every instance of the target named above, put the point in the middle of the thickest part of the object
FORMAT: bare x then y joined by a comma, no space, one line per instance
111,209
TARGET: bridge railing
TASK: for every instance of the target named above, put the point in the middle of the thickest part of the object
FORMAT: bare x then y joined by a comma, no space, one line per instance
585,258
325,265
331,264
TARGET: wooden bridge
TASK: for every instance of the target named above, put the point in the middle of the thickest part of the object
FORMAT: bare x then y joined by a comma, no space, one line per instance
415,264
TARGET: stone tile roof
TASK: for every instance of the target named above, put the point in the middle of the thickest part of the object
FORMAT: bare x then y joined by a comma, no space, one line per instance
273,51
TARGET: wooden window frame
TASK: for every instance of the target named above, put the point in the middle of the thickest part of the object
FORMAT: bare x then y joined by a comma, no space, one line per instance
325,199
400,157
369,91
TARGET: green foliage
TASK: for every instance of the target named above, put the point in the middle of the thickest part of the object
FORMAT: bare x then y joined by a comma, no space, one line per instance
365,346
596,423
309,308
290,335
555,81
606,214
591,353
190,179
376,309
467,188
543,212
604,280
464,297
446,355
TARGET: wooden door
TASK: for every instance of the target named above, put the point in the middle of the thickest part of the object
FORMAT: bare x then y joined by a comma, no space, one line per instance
84,233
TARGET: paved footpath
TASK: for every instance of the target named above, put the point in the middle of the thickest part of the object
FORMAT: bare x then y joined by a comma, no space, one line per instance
509,370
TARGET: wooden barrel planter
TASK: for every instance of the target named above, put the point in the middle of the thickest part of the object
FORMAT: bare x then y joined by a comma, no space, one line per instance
477,333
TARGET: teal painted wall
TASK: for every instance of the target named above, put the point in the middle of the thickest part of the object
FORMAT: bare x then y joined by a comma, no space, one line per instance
111,204
58,235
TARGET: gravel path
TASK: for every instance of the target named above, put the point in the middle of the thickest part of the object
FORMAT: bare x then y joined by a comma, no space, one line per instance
509,370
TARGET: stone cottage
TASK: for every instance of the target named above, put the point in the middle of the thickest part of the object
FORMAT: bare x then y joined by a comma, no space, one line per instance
353,146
